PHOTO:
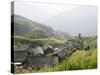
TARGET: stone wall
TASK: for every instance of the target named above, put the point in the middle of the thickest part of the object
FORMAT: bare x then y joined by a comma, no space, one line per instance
41,61
19,56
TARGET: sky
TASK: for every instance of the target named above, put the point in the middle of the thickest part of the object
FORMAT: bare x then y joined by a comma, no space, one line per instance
72,19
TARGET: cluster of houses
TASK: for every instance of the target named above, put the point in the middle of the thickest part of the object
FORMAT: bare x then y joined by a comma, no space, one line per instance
40,56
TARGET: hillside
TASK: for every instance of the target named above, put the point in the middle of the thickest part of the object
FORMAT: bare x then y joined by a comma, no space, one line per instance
62,35
26,31
27,28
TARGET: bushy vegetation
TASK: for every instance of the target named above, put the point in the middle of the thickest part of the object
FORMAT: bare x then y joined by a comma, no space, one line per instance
90,41
79,60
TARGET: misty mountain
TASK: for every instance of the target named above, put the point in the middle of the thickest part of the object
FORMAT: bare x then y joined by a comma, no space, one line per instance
31,29
62,35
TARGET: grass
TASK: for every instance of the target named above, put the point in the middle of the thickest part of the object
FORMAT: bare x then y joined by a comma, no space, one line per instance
79,60
51,41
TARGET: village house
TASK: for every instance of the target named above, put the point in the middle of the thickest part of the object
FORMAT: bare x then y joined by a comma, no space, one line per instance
40,56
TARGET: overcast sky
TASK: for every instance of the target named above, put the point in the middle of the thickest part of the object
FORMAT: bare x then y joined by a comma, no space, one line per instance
73,19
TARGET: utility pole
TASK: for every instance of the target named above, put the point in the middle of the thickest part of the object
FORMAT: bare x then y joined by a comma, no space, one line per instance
80,40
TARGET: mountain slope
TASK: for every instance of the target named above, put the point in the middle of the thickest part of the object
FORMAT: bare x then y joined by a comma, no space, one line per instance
62,35
27,28
30,29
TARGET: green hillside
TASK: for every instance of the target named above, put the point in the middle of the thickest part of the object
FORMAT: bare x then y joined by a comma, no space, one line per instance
27,28
28,31
51,41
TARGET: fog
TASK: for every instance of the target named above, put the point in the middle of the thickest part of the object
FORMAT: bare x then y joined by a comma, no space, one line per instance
73,19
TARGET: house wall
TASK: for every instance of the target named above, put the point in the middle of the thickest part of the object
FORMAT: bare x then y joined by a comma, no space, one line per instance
19,56
41,61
